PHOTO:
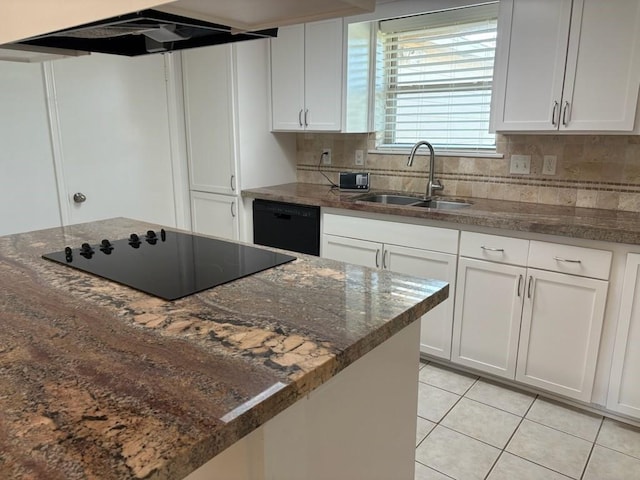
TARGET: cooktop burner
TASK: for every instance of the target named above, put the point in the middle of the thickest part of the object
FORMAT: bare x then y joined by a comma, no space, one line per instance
169,265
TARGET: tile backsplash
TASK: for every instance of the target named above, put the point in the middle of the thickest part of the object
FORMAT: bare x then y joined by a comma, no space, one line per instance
596,171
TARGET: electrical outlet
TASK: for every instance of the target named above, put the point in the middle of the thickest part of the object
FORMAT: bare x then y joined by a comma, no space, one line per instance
359,157
326,156
549,165
520,164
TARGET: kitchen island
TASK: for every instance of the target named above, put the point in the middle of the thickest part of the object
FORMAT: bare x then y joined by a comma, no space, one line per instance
102,381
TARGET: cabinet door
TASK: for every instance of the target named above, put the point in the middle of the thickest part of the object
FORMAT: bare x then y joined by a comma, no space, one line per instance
436,326
603,66
560,334
488,309
215,215
323,75
530,64
351,250
209,118
624,390
287,79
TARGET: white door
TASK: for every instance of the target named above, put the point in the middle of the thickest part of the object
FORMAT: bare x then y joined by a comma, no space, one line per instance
209,118
287,79
530,64
215,215
436,326
488,310
351,250
113,122
323,75
560,334
624,390
603,66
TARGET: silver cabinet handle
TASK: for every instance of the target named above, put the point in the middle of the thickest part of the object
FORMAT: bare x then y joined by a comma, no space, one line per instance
306,117
79,197
553,113
519,285
377,256
300,117
233,209
492,249
384,258
568,260
529,288
232,183
564,113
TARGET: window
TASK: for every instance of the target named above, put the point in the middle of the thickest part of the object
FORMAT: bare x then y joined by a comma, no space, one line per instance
436,73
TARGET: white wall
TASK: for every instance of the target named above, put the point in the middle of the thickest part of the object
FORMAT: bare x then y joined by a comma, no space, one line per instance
28,195
265,158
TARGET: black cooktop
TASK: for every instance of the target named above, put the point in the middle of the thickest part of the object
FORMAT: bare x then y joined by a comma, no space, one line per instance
169,265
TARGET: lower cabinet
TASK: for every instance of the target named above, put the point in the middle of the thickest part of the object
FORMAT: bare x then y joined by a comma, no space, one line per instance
525,310
216,215
435,336
489,299
560,332
530,324
624,388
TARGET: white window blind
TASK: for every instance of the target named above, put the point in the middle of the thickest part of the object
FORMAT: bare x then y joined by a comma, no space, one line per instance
438,71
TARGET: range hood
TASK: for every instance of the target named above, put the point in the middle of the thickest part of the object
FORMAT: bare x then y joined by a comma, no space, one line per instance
141,33
92,24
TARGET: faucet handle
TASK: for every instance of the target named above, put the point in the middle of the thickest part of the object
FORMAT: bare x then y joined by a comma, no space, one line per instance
437,185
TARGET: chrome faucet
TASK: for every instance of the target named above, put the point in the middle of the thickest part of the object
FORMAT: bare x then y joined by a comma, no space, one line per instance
432,184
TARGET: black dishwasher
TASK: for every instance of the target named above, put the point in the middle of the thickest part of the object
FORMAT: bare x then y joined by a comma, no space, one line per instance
287,225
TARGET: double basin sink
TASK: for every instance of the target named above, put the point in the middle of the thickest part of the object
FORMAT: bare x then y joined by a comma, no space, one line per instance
409,201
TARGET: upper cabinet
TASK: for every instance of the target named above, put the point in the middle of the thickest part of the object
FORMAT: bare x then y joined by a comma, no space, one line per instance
567,65
209,118
306,77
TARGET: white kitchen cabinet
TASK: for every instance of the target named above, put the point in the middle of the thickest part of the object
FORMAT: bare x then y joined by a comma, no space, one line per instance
209,118
209,106
374,243
488,303
215,215
560,332
306,77
564,65
624,388
531,311
488,309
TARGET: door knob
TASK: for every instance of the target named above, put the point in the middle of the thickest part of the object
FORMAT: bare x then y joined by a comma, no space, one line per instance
79,197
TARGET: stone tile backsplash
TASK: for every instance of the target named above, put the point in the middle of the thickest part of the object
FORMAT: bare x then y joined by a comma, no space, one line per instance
596,171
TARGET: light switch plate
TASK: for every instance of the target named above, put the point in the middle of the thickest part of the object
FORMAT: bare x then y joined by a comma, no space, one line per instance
520,164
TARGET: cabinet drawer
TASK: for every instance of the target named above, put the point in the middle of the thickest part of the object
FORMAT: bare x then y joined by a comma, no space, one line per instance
586,262
494,248
392,233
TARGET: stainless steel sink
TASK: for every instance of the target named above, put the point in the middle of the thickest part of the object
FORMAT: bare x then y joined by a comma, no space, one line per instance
443,204
390,199
409,201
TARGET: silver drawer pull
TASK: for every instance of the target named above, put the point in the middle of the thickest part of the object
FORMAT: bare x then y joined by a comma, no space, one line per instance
568,260
491,249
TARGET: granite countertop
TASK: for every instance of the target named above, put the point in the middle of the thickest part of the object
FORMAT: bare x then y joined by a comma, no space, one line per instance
104,382
586,223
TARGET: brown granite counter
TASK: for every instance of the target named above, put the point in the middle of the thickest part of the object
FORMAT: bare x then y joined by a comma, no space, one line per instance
587,223
101,381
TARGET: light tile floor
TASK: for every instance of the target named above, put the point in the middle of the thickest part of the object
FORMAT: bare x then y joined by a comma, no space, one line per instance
470,428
